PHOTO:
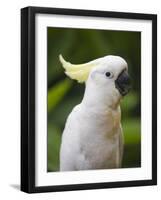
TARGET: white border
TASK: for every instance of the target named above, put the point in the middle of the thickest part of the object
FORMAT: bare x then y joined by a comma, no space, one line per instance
93,176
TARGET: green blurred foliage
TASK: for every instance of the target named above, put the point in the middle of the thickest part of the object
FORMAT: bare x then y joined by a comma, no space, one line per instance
79,46
57,93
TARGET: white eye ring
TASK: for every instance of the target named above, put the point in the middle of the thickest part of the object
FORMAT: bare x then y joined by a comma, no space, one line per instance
109,74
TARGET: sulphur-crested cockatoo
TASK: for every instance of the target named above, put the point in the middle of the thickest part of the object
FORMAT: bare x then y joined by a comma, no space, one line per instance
93,137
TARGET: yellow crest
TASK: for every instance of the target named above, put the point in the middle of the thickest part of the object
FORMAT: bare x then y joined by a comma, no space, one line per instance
77,72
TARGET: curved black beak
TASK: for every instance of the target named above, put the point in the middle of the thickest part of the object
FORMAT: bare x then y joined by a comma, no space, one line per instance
123,83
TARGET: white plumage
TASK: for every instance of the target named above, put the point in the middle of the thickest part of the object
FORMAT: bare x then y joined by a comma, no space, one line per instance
92,138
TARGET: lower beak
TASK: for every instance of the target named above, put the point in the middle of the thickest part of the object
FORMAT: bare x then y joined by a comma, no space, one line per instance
122,83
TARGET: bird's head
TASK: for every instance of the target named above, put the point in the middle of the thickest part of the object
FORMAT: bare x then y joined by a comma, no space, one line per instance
111,73
108,74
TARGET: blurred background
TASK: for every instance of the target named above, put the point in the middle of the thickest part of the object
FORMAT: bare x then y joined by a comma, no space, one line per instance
80,46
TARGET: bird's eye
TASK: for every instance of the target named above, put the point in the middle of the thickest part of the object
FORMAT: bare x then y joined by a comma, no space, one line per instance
109,74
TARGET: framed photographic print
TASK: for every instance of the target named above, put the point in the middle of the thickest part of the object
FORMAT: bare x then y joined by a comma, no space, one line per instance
88,99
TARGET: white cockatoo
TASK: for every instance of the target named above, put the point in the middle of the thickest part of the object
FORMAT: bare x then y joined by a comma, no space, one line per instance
93,137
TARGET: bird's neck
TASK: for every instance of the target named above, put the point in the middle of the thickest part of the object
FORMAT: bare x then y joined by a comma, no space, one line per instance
100,101
102,109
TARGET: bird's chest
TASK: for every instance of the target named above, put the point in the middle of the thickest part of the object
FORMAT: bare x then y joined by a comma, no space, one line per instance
100,152
99,142
100,125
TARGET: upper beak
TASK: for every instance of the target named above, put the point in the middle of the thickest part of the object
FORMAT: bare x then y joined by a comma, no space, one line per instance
123,83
